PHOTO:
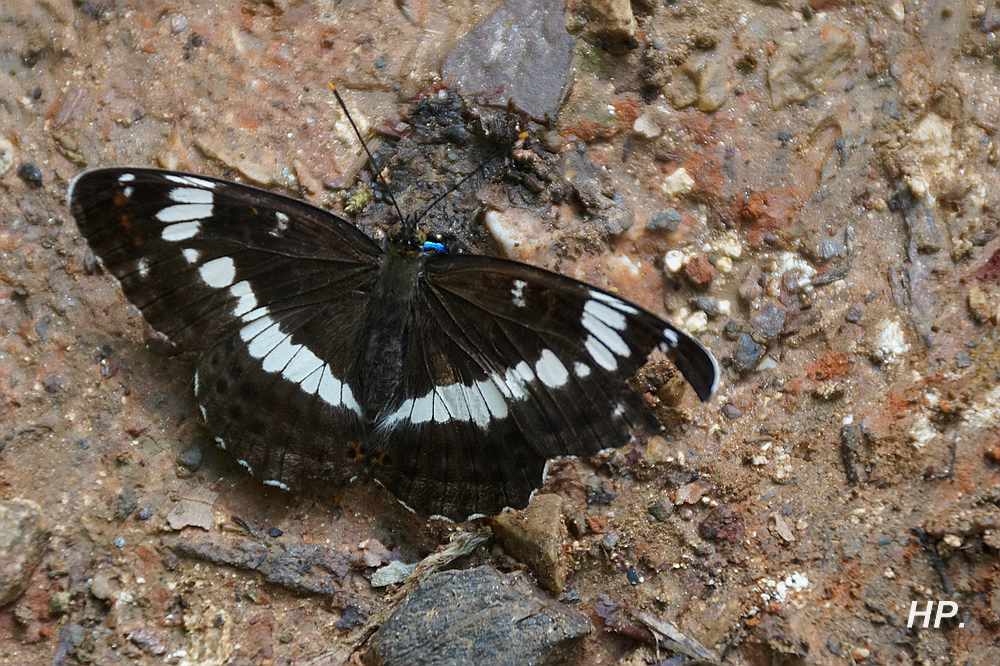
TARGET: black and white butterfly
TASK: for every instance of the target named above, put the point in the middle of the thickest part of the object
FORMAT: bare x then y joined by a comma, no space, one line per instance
455,376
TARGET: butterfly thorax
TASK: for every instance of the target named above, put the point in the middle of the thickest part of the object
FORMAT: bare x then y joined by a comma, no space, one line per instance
389,315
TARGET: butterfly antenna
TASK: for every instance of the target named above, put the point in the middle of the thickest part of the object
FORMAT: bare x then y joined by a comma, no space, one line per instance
371,160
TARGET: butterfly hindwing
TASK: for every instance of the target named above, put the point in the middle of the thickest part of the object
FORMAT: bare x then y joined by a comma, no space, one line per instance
511,365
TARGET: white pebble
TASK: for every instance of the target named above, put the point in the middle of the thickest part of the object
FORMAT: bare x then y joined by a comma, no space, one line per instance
677,183
674,260
697,322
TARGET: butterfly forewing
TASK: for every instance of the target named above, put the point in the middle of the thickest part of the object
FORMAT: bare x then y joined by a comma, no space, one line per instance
519,365
196,254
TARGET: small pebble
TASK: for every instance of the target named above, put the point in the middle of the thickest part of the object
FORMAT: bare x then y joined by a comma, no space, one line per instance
855,313
30,174
55,383
747,353
769,322
190,458
962,359
731,411
119,542
145,513
665,220
178,23
661,510
673,261
633,576
274,532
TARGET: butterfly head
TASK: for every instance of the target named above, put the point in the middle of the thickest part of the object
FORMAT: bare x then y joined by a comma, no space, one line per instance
414,241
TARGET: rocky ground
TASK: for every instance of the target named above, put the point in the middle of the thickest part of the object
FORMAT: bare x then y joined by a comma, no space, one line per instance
811,186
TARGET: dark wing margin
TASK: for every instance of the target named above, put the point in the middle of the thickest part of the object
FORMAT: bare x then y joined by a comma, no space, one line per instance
272,291
197,254
508,366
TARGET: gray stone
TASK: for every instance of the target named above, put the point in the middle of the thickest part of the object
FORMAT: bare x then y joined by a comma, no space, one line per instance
708,305
665,220
302,568
23,538
521,53
830,248
923,228
747,353
478,616
190,458
769,322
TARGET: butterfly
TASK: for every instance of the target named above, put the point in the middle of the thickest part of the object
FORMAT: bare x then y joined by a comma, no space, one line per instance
452,378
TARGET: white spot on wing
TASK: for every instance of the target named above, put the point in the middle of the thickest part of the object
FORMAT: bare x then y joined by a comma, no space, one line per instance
127,191
493,397
670,337
582,370
517,293
274,483
251,330
190,180
600,354
245,464
611,317
220,442
143,267
334,392
204,414
303,365
422,409
608,337
311,383
616,303
281,224
196,383
190,195
191,255
219,272
246,302
179,232
550,370
523,370
267,340
126,178
182,212
280,356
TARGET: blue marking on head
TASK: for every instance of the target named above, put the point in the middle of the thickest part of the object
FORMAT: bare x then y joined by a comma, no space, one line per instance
430,247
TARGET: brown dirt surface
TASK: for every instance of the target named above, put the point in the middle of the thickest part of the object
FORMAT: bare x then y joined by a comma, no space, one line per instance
850,471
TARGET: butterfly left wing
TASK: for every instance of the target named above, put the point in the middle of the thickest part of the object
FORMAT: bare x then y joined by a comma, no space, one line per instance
195,253
272,291
507,366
